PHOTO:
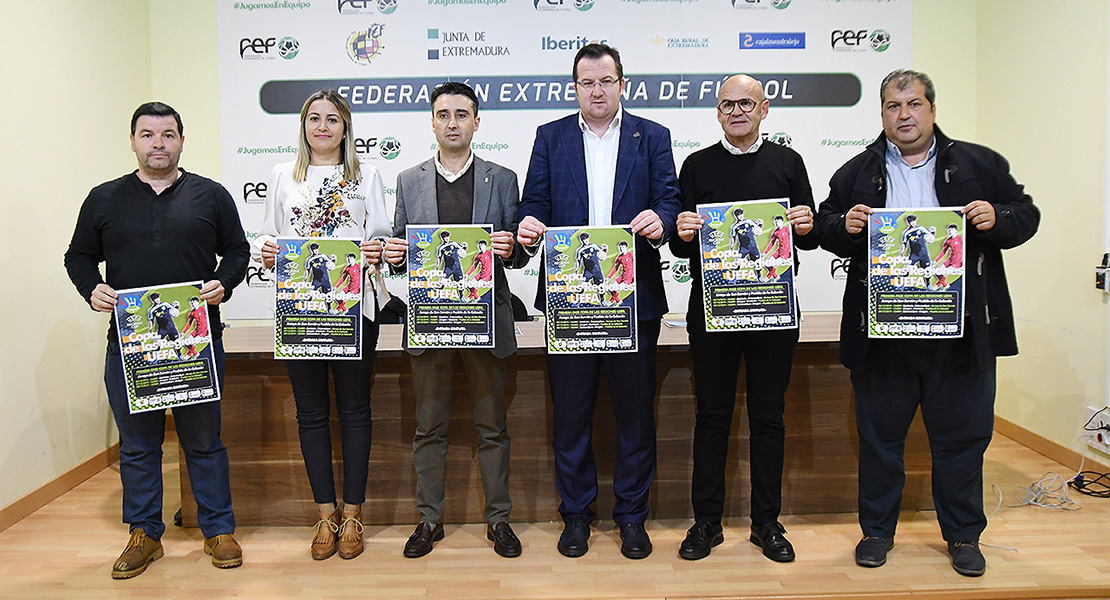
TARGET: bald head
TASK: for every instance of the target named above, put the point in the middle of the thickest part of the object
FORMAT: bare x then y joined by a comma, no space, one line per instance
741,106
741,86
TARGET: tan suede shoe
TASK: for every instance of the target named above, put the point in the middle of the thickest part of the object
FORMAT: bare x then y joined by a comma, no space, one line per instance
350,536
139,552
323,543
225,551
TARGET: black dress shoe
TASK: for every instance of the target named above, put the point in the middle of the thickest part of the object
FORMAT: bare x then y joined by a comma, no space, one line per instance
699,539
420,542
871,551
505,542
769,536
635,542
574,541
967,559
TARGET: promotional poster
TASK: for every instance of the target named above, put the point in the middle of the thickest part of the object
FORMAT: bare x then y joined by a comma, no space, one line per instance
747,266
318,283
915,282
591,289
166,347
450,301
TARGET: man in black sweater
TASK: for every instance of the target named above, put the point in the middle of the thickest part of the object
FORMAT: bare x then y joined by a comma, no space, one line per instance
742,167
162,225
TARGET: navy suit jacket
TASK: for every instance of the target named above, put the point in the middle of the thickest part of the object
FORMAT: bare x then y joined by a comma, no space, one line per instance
557,194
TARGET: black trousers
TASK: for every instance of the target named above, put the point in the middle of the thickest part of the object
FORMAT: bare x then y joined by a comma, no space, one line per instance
309,379
956,396
574,384
767,356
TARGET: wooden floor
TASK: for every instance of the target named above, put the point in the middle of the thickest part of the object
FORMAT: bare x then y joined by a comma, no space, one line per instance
65,550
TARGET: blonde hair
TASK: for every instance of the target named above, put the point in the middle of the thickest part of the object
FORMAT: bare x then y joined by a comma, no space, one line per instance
347,156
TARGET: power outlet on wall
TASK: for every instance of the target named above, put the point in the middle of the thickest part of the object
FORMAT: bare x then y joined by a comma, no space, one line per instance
1098,429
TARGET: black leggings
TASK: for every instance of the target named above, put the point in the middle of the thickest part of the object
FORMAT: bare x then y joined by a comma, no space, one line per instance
309,379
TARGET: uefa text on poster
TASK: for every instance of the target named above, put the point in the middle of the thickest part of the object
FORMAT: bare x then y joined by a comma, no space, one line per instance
450,269
166,347
915,275
317,310
591,289
747,266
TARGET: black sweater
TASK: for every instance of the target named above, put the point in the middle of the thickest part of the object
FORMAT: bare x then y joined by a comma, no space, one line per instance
714,175
147,239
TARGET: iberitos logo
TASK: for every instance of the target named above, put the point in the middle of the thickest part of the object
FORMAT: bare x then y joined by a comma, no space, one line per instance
365,45
288,47
390,148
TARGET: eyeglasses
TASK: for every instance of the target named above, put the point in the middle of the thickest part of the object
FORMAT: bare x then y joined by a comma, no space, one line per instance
746,105
605,84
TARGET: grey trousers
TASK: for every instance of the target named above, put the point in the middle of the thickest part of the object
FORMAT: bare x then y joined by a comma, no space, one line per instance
433,374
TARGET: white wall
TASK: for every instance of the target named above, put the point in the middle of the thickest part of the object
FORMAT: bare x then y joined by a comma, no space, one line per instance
73,73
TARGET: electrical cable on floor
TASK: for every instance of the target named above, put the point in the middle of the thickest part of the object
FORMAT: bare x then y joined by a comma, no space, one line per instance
1050,491
1090,483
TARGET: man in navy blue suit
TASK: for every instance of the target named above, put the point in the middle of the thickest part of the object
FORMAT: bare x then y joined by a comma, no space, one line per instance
602,167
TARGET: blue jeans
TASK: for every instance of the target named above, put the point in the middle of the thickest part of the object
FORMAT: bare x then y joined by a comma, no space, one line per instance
140,455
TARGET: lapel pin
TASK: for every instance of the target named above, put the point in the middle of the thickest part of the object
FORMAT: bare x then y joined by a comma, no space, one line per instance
486,180
637,134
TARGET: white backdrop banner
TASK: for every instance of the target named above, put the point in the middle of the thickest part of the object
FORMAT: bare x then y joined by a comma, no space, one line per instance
820,61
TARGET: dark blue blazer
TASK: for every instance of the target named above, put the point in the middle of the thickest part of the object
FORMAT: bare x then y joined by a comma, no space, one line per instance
556,192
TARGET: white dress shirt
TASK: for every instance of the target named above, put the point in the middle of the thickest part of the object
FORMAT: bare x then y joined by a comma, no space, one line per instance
601,168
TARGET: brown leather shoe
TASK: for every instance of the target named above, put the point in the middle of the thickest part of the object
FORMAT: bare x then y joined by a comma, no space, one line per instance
505,542
225,551
420,542
323,543
350,536
139,552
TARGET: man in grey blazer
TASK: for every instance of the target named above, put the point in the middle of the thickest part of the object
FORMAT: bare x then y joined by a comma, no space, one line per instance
456,187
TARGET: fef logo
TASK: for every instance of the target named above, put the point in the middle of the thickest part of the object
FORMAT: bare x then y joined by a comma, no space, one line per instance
582,5
390,148
254,192
360,7
716,217
778,4
292,251
132,302
423,238
561,241
886,223
681,271
853,39
779,137
288,47
364,45
880,40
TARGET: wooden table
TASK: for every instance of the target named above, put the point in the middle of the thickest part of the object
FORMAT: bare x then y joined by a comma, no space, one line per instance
270,487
